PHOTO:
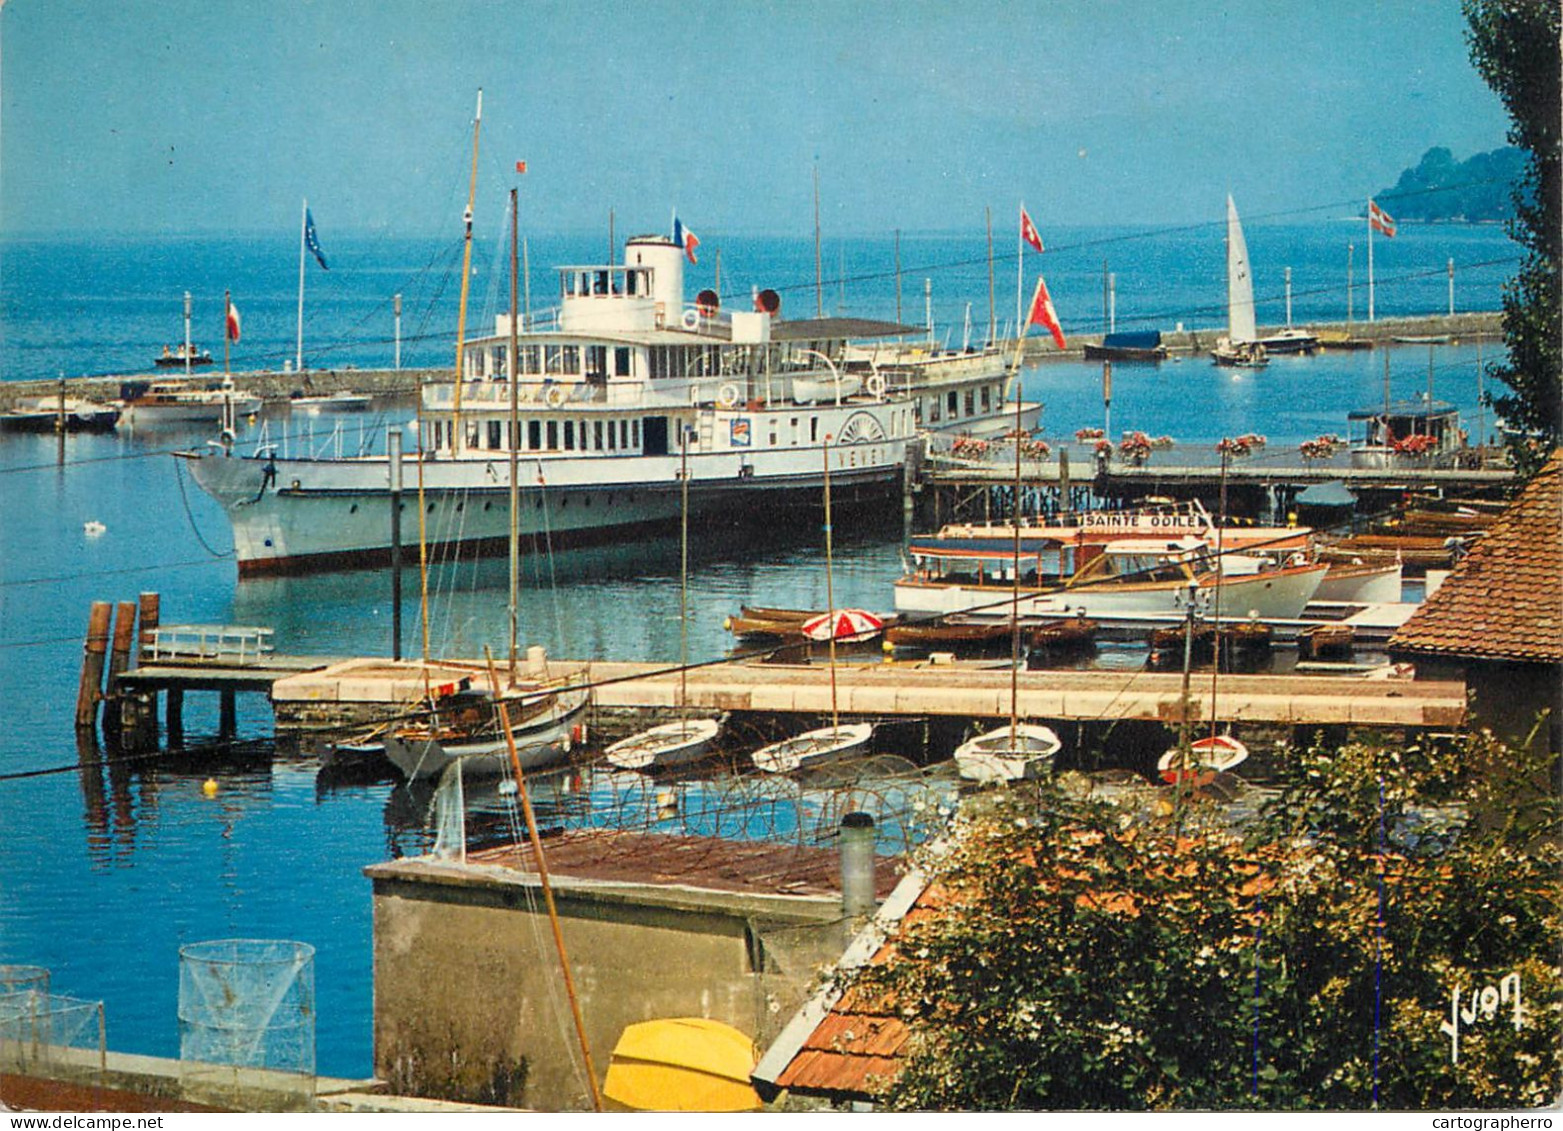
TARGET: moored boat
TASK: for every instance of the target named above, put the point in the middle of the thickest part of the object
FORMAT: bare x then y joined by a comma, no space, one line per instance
1024,751
164,402
1128,345
953,633
626,392
344,401
544,722
814,748
671,744
1241,346
182,356
1326,641
48,414
1202,761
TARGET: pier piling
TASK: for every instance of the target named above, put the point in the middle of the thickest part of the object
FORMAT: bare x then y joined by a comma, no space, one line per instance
119,659
90,689
176,716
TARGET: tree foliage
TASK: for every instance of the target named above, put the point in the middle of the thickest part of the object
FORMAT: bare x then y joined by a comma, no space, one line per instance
1088,958
1515,47
1441,188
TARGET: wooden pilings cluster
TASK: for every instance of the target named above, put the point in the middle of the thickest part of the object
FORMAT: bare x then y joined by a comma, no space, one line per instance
112,635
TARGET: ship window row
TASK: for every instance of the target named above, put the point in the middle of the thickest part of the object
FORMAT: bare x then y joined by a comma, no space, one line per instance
556,360
597,281
546,436
937,407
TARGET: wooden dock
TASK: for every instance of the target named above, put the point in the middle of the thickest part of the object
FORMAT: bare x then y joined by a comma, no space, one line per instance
891,689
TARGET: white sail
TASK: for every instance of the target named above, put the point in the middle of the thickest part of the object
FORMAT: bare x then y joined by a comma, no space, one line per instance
1240,282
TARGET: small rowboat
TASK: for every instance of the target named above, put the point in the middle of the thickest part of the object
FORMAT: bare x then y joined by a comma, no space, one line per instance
1003,755
671,744
1206,758
745,625
950,633
1062,634
1325,640
814,748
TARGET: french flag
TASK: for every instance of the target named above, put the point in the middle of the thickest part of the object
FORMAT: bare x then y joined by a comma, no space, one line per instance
685,239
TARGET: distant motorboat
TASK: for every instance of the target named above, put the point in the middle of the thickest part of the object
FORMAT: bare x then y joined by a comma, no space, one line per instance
1290,341
814,748
163,402
1128,345
47,414
178,357
1022,752
344,401
671,744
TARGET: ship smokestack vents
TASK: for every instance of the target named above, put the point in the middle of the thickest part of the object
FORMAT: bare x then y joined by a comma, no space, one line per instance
857,865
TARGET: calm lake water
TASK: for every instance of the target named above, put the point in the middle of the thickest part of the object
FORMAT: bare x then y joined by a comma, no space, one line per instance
102,883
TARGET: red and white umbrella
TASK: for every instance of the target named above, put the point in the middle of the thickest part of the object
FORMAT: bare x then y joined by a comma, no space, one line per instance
843,624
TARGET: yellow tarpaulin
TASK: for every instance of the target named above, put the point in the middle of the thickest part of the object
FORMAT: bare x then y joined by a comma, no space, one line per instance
683,1064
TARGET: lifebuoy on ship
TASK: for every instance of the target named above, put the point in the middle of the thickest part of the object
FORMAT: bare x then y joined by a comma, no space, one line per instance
876,385
691,319
554,396
727,396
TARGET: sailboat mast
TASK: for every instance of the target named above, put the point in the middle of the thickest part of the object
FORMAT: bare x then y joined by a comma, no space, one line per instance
303,221
830,595
993,317
819,279
515,430
466,282
683,567
1014,615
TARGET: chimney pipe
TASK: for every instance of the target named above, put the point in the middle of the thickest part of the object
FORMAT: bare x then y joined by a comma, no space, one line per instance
857,865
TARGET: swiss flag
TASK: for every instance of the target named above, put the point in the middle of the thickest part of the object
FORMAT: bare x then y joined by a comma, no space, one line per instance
1028,230
1043,314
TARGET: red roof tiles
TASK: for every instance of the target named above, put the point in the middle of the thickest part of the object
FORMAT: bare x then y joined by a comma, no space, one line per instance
1504,601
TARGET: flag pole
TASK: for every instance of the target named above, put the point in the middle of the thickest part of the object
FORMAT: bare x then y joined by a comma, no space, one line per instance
1020,271
227,321
1370,259
303,220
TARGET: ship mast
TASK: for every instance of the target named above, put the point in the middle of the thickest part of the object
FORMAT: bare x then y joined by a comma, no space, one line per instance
466,273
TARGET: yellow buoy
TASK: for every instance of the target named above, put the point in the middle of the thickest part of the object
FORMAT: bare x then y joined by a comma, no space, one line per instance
209,787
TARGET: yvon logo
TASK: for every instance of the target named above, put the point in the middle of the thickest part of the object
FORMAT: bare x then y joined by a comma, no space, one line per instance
1481,1005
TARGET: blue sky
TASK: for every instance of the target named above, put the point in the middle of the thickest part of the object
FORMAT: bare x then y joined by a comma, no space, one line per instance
136,116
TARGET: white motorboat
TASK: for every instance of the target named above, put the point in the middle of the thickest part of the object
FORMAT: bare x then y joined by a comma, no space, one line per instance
1129,577
814,748
343,401
165,402
49,413
671,744
1007,754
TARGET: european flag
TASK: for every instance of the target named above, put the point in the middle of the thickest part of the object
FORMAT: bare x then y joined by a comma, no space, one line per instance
311,241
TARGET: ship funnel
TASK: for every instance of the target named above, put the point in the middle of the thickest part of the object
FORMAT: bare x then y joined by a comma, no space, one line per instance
666,260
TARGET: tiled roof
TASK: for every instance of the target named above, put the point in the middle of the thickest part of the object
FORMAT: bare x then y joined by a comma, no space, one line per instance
1504,601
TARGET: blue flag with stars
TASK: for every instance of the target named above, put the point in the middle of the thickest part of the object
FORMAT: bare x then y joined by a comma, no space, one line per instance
311,241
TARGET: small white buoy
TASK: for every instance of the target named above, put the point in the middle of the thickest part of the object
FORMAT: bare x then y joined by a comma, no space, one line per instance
93,528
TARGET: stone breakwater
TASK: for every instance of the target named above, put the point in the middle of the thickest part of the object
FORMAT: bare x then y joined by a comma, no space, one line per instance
269,385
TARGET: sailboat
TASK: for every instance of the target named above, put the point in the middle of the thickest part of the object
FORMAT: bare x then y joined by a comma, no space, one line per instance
1241,346
1019,750
838,740
685,739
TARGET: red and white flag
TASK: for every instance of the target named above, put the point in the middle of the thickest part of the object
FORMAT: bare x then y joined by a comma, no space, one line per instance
1043,314
1378,218
520,166
233,323
1028,230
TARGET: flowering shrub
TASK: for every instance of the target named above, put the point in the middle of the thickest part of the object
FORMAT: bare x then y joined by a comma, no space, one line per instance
969,447
1234,447
1135,446
1322,447
1103,447
1162,443
1089,434
1419,444
1035,449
